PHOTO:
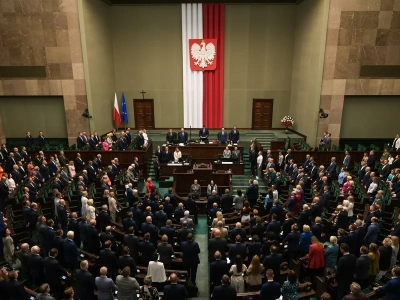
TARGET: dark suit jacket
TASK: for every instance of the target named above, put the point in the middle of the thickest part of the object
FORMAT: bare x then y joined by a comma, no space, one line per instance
216,244
93,240
15,290
190,253
71,252
62,215
218,269
169,232
165,251
278,211
171,137
107,236
274,226
36,263
342,220
203,134
273,262
175,292
236,232
317,230
258,230
292,240
85,285
190,205
237,249
362,267
182,137
391,289
227,203
304,218
49,234
270,290
127,261
287,227
104,220
225,292
166,156
234,137
213,199
183,233
132,242
346,268
352,242
147,249
53,271
128,222
150,228
109,259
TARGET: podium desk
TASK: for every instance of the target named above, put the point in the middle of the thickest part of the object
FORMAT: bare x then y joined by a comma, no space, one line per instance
236,168
167,170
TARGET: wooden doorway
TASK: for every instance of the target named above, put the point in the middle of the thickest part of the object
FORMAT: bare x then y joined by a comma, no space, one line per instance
262,114
144,113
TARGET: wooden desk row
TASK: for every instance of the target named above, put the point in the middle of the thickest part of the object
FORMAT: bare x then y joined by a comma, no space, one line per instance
167,170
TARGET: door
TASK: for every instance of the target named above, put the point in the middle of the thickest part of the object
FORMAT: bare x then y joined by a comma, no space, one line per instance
144,113
262,114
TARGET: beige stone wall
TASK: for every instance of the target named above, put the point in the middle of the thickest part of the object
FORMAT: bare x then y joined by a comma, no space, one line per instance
360,32
45,33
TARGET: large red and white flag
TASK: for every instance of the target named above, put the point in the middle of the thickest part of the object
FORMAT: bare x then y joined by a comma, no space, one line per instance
203,50
116,115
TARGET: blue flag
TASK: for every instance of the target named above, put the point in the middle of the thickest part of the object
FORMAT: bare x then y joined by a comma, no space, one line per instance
124,113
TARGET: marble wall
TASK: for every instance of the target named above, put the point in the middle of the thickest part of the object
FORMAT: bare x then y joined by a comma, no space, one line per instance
45,33
360,32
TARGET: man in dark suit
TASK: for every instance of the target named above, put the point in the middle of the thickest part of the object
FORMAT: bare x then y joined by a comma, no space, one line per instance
360,234
58,243
41,140
85,282
218,268
109,260
372,232
270,290
106,235
238,231
277,210
179,213
213,198
274,225
4,192
184,231
227,202
234,135
203,133
54,272
351,240
44,170
62,216
258,229
222,136
14,289
216,244
36,264
273,262
175,291
171,137
385,171
147,249
304,217
132,241
237,249
148,227
287,224
190,257
79,163
317,209
342,218
346,268
292,241
362,268
224,291
93,239
168,207
29,140
49,235
156,168
91,172
332,168
80,141
160,217
168,231
16,175
128,222
190,205
104,218
371,160
74,226
166,155
71,253
213,211
123,143
182,136
392,288
126,260
318,228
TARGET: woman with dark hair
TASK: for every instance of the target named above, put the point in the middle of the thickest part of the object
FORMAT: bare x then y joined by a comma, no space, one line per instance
245,212
238,200
290,287
237,270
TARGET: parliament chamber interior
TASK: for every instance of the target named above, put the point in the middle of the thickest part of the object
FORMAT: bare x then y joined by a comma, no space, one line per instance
212,150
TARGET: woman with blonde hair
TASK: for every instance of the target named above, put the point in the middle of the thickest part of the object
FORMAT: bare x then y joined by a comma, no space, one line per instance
90,210
109,140
84,201
373,187
112,207
385,257
148,292
331,255
395,247
219,217
348,206
374,256
305,240
254,278
71,169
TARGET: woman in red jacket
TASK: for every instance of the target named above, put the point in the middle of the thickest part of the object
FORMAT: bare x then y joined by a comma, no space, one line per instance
149,186
298,202
316,260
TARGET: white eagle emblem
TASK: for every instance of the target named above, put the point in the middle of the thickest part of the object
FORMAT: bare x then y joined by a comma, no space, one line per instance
203,54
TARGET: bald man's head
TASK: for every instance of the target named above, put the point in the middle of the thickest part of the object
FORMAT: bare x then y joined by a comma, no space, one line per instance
238,225
103,271
173,278
35,250
92,222
25,246
148,219
217,233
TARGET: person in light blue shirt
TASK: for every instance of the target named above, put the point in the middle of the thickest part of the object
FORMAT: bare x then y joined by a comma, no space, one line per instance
342,176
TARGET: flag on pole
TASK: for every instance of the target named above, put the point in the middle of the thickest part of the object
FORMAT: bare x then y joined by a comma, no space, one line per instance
123,109
116,116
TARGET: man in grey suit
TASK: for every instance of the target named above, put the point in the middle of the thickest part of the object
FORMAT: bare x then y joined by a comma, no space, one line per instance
186,218
105,286
44,293
347,158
